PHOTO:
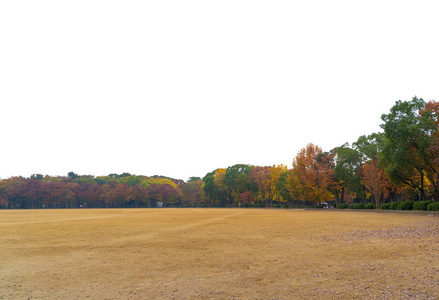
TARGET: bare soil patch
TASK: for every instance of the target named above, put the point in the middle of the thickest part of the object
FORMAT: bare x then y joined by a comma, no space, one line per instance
217,254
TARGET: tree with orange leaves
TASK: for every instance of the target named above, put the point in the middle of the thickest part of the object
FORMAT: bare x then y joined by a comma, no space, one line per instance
312,174
261,176
431,156
376,181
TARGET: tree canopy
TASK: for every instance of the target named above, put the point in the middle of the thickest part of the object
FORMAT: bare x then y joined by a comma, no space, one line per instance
400,162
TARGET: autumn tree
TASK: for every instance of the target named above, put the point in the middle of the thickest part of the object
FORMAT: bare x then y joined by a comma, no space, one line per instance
193,193
70,198
3,201
215,191
136,195
221,191
119,194
165,193
81,192
87,194
312,174
373,176
275,174
267,184
13,191
283,186
430,147
247,198
53,194
107,195
261,177
32,192
377,182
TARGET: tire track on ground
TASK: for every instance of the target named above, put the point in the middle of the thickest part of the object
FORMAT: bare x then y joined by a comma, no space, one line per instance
60,220
174,229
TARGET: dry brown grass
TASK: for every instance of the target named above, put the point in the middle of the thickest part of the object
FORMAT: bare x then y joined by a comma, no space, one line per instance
217,254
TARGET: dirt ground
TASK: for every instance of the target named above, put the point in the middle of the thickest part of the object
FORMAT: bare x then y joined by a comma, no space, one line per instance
217,254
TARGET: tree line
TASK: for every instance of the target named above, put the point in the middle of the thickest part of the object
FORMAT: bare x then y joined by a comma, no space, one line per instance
399,163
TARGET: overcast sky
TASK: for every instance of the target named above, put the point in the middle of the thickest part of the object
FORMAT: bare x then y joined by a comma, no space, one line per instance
180,88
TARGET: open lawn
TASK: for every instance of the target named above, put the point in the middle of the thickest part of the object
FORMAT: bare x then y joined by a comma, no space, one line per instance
217,254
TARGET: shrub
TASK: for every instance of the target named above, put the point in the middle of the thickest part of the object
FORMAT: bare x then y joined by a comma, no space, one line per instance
286,206
369,206
357,206
394,205
421,205
406,205
386,206
342,206
433,206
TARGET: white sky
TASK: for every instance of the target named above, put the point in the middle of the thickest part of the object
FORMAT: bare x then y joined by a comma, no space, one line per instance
180,88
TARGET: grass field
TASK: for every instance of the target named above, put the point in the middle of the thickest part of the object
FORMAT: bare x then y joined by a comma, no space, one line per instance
217,254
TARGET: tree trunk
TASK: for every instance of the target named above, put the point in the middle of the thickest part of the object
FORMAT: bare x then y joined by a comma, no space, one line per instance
377,197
